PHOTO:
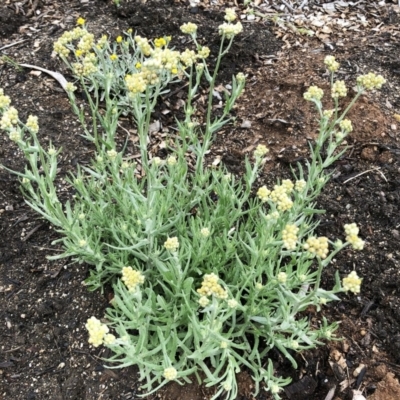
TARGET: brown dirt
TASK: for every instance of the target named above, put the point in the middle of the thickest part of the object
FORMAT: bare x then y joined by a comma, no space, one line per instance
43,347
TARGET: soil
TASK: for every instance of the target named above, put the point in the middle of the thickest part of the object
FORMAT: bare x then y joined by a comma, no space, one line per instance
44,352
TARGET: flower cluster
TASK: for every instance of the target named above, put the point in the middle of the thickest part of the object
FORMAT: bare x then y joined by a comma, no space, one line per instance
230,30
60,46
189,28
352,283
346,125
289,236
352,236
143,45
170,373
260,151
280,196
331,63
328,113
9,118
371,81
282,277
172,244
188,57
313,93
300,185
132,278
318,246
32,124
5,101
205,232
98,332
230,14
263,193
210,286
339,89
87,66
135,83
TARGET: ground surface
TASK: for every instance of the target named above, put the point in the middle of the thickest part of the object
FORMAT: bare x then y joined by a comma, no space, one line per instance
43,344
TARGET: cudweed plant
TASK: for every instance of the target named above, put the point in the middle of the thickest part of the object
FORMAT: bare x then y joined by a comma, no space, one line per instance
209,272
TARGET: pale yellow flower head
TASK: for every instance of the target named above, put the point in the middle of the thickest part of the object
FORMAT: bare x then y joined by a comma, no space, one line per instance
263,193
70,87
328,113
204,52
371,81
232,303
289,236
352,283
112,154
339,89
97,331
189,28
15,135
109,339
230,30
204,301
352,236
317,246
230,14
300,185
260,151
9,118
313,93
171,161
280,197
331,63
5,101
170,373
172,244
282,277
32,124
135,83
210,286
288,185
205,232
346,125
241,77
132,278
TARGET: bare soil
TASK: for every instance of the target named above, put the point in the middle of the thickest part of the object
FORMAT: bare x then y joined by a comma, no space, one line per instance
44,352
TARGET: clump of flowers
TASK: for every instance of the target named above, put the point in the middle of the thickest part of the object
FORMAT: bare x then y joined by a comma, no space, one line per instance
300,185
98,333
318,246
170,373
263,193
281,198
289,236
132,278
331,63
172,243
371,81
339,89
352,236
346,125
189,28
260,151
313,93
352,283
4,100
228,29
171,318
210,287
